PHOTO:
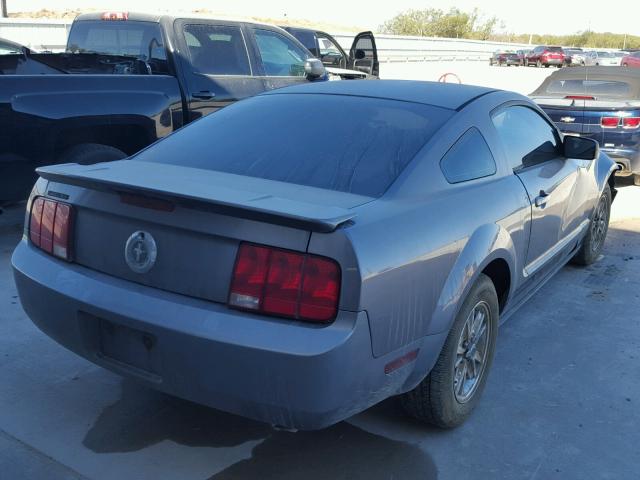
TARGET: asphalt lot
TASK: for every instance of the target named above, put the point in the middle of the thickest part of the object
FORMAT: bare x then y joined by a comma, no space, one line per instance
561,401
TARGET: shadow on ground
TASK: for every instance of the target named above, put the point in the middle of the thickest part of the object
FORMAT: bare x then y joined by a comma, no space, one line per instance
143,417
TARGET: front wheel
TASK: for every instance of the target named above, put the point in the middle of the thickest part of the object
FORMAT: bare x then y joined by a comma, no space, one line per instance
448,395
593,242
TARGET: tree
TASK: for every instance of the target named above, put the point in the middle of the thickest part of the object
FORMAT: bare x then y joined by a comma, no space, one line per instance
433,22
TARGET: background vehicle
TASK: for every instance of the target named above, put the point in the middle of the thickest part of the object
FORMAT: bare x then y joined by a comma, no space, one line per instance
272,269
573,56
596,58
522,56
504,58
546,56
131,79
602,103
7,47
631,60
362,61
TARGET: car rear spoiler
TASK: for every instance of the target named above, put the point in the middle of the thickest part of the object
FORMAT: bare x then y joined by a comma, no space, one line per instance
222,193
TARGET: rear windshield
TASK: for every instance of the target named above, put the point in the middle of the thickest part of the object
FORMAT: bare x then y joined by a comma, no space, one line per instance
344,143
142,40
554,49
609,88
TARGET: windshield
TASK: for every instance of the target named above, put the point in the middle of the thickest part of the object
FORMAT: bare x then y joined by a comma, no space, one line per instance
336,142
610,88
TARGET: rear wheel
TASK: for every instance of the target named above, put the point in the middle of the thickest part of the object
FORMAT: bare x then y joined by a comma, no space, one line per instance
538,64
90,153
593,242
636,180
448,395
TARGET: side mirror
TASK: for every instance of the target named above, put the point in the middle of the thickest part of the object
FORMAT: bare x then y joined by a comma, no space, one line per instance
359,54
580,148
314,69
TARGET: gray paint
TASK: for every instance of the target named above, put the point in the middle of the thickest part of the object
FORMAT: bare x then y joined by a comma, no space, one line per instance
408,261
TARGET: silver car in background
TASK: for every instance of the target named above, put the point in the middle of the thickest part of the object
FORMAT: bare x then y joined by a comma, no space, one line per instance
601,58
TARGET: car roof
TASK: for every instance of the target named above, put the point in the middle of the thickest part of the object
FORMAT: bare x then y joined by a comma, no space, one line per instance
628,75
156,18
444,95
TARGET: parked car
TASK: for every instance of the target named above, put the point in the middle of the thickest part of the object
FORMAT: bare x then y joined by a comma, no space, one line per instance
596,58
170,71
300,289
631,60
601,103
7,47
361,62
522,56
546,56
573,57
504,58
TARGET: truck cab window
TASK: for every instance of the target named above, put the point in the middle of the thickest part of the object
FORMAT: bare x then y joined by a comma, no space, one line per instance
281,57
217,49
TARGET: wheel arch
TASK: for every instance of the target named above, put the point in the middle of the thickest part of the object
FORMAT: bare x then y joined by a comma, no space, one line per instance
489,250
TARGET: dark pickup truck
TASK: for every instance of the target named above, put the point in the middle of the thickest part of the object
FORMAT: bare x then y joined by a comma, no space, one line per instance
127,80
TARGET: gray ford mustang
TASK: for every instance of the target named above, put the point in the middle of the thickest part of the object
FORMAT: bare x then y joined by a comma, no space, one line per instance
306,253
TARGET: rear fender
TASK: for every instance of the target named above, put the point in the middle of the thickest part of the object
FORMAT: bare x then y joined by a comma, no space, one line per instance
605,168
487,243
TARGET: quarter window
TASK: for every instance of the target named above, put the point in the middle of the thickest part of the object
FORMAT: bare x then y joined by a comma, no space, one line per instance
527,138
217,49
468,159
281,57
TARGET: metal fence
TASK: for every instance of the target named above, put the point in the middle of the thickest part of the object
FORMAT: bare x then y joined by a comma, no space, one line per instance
52,35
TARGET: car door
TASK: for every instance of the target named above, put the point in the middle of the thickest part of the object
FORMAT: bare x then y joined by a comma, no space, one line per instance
216,65
533,147
330,52
281,58
363,55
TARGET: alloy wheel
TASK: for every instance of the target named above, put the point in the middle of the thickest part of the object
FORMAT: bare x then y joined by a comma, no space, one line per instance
471,354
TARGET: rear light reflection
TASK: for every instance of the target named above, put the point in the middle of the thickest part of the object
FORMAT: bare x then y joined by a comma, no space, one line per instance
50,227
284,283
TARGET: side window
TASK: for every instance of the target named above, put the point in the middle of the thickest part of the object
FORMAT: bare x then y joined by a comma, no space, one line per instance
528,139
468,159
217,49
281,57
330,53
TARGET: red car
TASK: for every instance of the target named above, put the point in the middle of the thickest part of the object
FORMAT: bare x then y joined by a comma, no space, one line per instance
545,55
631,60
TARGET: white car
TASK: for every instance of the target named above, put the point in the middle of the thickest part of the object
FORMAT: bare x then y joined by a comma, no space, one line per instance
601,58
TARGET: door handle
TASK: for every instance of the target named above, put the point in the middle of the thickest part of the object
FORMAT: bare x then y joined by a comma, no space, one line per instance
203,95
541,200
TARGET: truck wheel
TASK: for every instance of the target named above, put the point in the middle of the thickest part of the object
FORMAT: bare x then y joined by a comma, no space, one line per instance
448,395
594,239
90,153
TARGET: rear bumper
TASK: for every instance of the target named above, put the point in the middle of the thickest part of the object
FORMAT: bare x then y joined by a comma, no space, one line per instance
628,159
279,372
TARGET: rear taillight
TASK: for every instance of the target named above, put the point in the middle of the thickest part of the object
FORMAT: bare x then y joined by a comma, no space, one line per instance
50,227
610,122
631,122
284,283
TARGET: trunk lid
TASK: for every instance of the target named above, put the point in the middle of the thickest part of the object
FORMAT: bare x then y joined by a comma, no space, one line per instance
196,217
567,114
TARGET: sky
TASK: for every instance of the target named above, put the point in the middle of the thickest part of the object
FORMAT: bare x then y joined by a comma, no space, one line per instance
541,16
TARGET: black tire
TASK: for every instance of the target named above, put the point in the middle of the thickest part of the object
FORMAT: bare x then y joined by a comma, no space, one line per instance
90,153
538,64
636,180
433,400
594,239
